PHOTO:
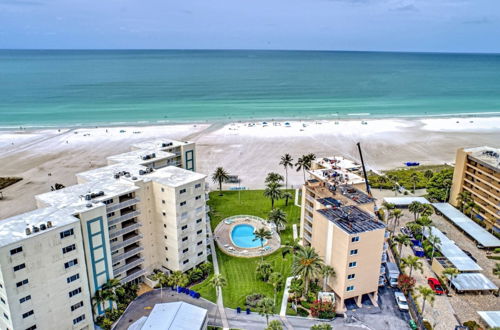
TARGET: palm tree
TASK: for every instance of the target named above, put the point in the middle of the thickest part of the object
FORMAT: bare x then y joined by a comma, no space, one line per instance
388,207
415,227
291,247
427,295
278,217
262,234
286,162
309,159
297,289
218,282
395,214
163,279
327,271
427,210
435,241
463,198
402,239
414,179
276,280
220,175
274,177
447,185
274,325
413,262
428,174
179,279
424,221
287,195
496,270
264,270
99,298
451,272
273,192
415,208
307,265
266,308
301,164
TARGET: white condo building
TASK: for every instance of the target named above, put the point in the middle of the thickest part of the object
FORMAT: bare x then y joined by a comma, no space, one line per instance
146,210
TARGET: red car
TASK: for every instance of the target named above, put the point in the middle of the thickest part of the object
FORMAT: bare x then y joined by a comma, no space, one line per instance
435,285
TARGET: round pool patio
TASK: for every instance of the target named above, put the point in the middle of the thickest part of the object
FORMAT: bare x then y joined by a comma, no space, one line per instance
234,236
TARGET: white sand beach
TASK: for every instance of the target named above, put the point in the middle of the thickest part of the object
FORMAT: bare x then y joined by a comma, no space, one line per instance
249,150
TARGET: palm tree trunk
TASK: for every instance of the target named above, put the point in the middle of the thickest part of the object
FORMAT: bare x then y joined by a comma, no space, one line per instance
286,178
411,269
306,286
272,203
304,173
220,187
324,283
400,248
423,307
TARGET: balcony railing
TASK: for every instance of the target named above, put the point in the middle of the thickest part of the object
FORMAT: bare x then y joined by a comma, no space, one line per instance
309,208
128,266
308,227
308,217
126,242
122,205
125,230
310,198
308,237
124,217
119,257
133,276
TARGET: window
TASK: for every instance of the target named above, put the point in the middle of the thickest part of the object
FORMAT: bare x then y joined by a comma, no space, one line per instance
351,276
197,197
115,252
350,288
108,201
76,306
353,264
114,240
23,299
185,261
2,300
111,214
164,225
199,220
185,250
355,239
200,253
16,250
112,227
33,327
182,203
354,252
70,263
166,248
66,233
162,189
28,314
75,292
184,239
163,201
73,278
184,227
182,191
198,185
166,259
116,264
23,282
164,214
199,231
69,248
200,243
79,319
6,316
165,236
19,267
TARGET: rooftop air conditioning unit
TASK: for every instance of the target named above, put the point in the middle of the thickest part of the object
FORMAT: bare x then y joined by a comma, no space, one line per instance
88,197
49,224
43,226
28,231
36,229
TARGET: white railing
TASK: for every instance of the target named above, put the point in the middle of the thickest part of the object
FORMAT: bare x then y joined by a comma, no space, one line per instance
125,255
309,208
310,198
133,276
122,205
308,217
128,266
124,217
309,228
126,242
125,230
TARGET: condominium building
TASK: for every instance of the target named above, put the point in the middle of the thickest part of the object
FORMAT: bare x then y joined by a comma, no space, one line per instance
146,210
477,170
338,220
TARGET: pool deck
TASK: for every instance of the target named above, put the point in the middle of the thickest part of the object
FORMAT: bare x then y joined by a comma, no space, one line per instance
222,234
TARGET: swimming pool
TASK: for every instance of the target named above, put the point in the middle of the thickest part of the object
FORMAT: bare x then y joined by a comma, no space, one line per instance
243,237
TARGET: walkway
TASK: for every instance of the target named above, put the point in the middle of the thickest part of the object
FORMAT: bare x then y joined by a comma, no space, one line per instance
220,303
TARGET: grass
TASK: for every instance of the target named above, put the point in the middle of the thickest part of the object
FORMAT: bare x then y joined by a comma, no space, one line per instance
240,272
7,181
205,289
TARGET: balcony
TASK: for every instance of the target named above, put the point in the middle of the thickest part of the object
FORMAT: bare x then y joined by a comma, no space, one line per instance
307,227
310,198
122,205
126,242
133,276
128,266
126,255
308,237
309,208
308,217
124,217
207,208
125,230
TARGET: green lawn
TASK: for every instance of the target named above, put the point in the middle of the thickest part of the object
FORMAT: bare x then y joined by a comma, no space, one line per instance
240,272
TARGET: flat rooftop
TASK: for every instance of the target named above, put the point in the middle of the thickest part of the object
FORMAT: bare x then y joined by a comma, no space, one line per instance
172,316
355,194
405,201
173,176
108,172
473,282
329,201
492,318
159,144
138,156
338,169
13,229
487,155
351,219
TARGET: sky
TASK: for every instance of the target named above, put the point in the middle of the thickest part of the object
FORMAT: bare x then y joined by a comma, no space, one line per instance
365,25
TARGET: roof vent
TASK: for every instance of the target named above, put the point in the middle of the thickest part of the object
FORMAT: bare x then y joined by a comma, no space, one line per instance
36,229
141,172
88,197
134,178
117,176
43,226
89,205
49,224
28,231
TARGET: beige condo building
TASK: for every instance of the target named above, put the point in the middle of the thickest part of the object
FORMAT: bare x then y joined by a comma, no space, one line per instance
337,219
146,210
477,170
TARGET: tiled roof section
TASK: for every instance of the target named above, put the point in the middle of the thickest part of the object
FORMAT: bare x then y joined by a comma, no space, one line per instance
351,219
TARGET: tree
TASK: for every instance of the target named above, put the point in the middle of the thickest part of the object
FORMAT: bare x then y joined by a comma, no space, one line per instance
413,262
100,297
264,270
262,234
220,176
427,295
428,174
388,207
276,280
274,177
206,267
415,227
406,283
414,179
163,280
415,208
273,192
427,210
274,325
291,247
496,270
286,162
439,185
218,282
266,308
327,271
463,198
179,279
447,185
301,165
395,215
321,326
309,159
402,239
296,288
435,241
307,265
450,273
287,196
278,217
424,221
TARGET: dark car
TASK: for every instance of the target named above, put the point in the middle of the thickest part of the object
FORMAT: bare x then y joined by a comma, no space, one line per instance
435,285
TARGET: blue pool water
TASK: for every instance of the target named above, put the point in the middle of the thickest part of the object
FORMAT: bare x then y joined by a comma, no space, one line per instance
242,236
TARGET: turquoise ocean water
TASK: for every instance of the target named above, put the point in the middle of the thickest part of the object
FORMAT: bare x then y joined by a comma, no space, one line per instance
70,88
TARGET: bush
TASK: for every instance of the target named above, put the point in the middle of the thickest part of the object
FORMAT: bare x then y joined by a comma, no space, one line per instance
206,268
472,325
323,310
427,325
195,275
323,326
302,312
254,299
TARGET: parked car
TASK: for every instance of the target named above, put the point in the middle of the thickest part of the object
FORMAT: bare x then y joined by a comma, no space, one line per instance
406,231
401,301
435,285
470,255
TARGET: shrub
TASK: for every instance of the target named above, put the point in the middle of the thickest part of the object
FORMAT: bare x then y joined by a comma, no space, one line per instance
321,326
406,283
472,325
302,312
206,268
323,310
427,325
253,299
195,275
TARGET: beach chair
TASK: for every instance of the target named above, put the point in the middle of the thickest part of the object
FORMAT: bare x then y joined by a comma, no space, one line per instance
238,310
248,311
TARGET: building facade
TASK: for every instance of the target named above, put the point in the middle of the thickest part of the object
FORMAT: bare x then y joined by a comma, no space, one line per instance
145,211
337,220
477,170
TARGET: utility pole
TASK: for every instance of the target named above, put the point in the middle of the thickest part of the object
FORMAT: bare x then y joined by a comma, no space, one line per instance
364,169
